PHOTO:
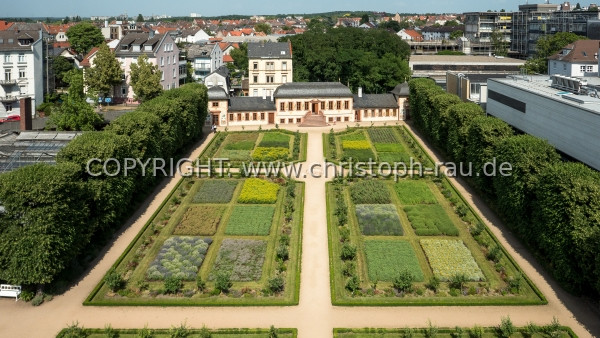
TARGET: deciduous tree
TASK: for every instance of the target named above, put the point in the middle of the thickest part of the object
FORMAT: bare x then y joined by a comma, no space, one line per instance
104,74
84,36
145,79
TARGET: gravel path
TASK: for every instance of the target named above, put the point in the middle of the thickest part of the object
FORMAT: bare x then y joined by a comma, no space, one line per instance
314,316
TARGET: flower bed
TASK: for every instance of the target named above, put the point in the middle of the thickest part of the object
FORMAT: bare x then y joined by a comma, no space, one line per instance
269,154
200,220
449,258
414,192
250,220
362,144
215,191
241,258
430,220
386,259
378,219
257,191
370,192
180,257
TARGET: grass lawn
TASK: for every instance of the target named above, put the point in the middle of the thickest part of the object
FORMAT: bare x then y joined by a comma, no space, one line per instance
387,258
389,148
215,191
378,219
242,258
450,257
370,192
275,140
250,220
430,220
200,220
414,192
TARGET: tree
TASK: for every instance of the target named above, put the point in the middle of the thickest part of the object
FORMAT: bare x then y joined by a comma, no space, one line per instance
365,19
546,46
74,78
74,114
451,23
404,281
60,66
263,27
499,44
140,18
145,79
577,7
223,282
240,58
391,25
456,34
104,74
84,36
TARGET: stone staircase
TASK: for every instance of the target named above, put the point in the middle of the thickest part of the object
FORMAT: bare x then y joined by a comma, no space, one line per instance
314,120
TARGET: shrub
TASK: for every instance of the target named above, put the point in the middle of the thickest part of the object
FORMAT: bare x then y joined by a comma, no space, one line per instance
370,192
283,253
109,332
200,283
113,280
404,281
458,281
181,331
223,282
494,254
348,252
276,284
476,332
344,234
273,332
258,191
431,330
26,295
353,284
506,328
378,219
172,284
349,268
433,284
261,154
205,332
73,331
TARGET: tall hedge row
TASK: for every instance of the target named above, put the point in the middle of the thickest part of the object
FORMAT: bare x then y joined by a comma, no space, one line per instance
53,212
553,206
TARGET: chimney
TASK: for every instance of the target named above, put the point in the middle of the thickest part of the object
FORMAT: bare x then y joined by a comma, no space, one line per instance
25,107
359,91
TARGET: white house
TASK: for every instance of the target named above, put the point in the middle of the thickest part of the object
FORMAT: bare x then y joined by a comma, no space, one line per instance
205,59
21,54
577,59
193,35
219,78
269,66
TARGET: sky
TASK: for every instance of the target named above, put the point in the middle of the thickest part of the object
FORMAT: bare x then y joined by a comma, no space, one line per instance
85,8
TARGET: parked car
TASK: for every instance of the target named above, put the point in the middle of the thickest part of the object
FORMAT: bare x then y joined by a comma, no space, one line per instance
12,118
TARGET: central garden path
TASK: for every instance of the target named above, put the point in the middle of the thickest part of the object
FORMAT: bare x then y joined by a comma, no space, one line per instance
314,317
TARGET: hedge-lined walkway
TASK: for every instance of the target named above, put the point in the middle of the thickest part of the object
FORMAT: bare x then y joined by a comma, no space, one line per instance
314,317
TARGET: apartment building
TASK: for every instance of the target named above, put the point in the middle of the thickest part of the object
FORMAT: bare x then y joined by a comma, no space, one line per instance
269,66
21,55
479,26
205,59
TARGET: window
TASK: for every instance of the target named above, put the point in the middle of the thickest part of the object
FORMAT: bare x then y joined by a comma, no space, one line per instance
590,69
255,66
168,60
338,105
379,112
284,65
306,105
174,73
284,79
298,105
282,106
330,119
255,79
239,116
124,91
7,58
162,61
270,78
255,116
365,114
255,92
215,104
330,104
338,119
346,104
323,105
21,57
270,65
162,76
582,69
282,121
8,107
7,75
247,116
346,119
230,117
22,74
564,67
291,106
290,120
394,112
262,116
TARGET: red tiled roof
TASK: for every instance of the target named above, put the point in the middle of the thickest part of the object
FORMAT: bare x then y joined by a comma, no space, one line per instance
235,33
227,58
64,44
163,30
215,39
581,51
86,60
5,25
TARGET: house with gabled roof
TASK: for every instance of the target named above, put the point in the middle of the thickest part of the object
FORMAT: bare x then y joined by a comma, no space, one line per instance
269,66
410,35
579,58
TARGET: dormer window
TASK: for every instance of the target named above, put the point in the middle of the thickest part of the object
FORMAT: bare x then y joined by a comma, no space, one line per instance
124,47
24,42
148,48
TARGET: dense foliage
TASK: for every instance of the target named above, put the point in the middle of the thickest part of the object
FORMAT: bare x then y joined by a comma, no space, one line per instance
374,59
553,206
545,47
53,213
84,36
145,79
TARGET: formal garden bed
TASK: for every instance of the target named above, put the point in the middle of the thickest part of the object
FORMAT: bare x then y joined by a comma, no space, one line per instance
416,242
182,330
388,144
505,329
257,146
214,242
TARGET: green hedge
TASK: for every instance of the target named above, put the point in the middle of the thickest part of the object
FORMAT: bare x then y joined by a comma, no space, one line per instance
553,206
59,211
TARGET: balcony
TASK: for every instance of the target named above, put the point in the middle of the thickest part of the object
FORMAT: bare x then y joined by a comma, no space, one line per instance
8,99
8,82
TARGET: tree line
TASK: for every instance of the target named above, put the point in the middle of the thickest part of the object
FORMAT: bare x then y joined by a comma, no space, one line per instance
552,205
54,213
373,59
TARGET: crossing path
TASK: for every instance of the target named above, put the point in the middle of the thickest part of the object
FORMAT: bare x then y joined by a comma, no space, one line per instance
314,317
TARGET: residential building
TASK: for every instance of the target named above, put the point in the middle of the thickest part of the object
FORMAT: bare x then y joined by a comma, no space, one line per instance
269,66
410,35
219,78
193,35
205,59
112,31
562,113
431,33
21,54
479,26
576,59
160,49
471,87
